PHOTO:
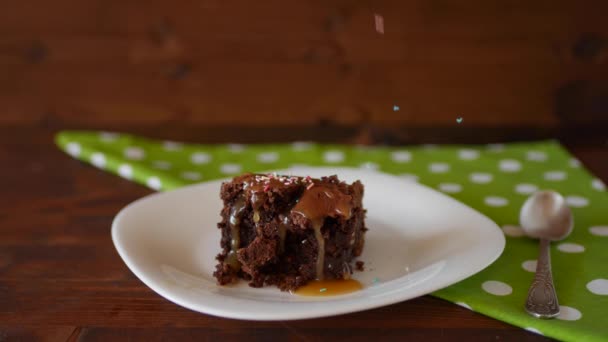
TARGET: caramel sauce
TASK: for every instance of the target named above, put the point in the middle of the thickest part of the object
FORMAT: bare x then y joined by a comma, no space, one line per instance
321,201
257,190
321,249
235,233
317,203
334,287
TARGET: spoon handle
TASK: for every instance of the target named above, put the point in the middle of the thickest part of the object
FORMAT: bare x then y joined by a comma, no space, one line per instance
542,299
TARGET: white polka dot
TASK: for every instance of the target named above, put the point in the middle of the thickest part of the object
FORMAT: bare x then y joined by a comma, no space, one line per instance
401,156
567,313
200,158
125,171
555,175
496,201
534,330
538,156
98,159
409,177
236,148
301,145
230,168
513,231
154,183
495,147
525,188
450,188
191,175
333,156
598,185
568,247
599,230
369,166
161,164
439,167
577,201
509,165
73,149
464,305
575,163
598,287
134,153
268,157
529,265
172,146
481,177
108,136
497,288
468,154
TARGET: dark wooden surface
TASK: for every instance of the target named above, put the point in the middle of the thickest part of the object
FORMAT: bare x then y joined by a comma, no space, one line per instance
278,70
61,279
286,62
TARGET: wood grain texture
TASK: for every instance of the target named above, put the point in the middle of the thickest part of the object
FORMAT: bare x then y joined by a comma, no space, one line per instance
218,71
304,62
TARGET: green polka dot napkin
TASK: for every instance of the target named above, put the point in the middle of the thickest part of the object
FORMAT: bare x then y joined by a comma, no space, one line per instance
494,179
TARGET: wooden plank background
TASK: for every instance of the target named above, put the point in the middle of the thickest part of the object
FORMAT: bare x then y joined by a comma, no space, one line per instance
303,63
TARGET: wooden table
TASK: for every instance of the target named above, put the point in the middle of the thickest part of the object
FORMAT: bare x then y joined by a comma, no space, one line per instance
279,70
61,279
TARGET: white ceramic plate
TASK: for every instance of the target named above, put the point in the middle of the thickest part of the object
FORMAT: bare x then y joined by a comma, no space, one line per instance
419,241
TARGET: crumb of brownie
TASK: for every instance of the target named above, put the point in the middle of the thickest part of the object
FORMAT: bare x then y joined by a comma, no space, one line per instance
359,266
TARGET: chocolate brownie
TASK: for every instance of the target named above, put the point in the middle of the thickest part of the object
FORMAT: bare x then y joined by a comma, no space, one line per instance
287,230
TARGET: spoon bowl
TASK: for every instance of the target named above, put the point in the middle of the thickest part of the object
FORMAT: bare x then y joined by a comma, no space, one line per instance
545,215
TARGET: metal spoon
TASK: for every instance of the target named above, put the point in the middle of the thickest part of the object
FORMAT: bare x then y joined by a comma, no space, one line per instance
544,216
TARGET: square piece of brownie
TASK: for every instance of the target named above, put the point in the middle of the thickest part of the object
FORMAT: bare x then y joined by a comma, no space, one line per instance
288,230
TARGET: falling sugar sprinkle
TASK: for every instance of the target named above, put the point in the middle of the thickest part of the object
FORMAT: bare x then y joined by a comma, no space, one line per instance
459,119
379,21
395,108
323,290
